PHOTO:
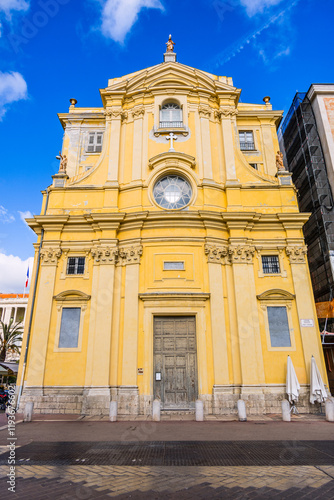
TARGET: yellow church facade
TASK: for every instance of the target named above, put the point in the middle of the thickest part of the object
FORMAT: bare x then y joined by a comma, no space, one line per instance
170,260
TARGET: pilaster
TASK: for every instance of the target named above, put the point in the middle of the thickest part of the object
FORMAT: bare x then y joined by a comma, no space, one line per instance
226,114
41,324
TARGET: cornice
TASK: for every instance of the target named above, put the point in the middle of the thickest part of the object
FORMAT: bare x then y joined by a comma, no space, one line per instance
173,296
172,157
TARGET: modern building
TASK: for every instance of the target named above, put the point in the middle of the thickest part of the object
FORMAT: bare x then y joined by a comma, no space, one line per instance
13,306
307,136
170,260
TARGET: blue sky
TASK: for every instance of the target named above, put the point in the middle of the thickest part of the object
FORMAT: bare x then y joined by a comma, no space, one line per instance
51,50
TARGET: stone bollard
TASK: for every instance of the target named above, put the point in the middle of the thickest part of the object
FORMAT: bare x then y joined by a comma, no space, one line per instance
199,411
286,411
242,410
28,411
113,411
156,410
329,406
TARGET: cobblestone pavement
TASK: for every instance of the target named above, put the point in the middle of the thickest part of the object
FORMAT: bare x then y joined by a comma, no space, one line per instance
83,482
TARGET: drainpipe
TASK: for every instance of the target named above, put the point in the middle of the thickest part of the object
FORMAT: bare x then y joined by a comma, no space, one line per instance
32,306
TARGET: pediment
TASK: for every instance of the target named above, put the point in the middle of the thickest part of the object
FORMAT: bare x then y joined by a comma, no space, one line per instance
276,294
174,159
72,295
166,75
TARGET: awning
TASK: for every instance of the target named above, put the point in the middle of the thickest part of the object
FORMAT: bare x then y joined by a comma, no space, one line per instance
13,367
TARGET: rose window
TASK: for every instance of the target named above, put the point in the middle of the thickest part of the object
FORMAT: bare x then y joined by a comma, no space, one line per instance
172,192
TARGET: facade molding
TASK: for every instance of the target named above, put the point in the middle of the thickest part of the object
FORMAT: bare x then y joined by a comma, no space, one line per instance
296,255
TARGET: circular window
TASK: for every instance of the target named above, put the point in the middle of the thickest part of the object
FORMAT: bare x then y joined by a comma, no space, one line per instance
172,192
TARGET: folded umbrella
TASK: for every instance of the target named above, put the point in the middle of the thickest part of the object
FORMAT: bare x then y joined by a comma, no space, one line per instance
317,389
292,384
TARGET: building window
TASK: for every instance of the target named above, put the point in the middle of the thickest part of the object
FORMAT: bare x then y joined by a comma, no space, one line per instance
246,139
171,116
270,264
1,313
76,265
172,192
95,142
69,328
20,313
278,326
254,165
12,313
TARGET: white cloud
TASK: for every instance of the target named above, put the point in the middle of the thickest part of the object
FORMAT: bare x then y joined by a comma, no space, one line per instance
13,273
13,87
7,6
25,215
118,16
5,216
256,6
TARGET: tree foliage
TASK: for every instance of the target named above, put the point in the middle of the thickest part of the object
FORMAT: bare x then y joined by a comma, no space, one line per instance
10,337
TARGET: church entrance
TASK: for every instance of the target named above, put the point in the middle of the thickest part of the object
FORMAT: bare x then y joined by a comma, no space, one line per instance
175,361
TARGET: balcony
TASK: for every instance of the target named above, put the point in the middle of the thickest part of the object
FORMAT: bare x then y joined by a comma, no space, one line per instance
171,124
247,146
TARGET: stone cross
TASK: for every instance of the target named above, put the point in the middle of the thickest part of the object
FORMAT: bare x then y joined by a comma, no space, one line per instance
171,137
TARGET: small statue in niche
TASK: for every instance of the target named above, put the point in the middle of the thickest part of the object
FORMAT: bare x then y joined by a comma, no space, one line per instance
63,163
170,44
279,162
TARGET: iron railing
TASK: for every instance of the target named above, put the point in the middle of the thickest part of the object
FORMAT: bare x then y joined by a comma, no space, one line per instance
246,146
171,124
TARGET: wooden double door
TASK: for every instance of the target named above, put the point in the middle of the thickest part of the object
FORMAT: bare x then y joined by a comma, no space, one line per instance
175,361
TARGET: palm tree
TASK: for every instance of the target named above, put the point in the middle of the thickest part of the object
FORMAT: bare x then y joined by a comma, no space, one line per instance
10,336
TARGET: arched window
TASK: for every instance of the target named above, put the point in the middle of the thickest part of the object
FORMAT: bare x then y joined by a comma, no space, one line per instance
171,116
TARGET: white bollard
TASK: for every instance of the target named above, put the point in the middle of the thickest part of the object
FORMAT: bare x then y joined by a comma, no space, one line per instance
329,406
199,411
27,412
156,410
113,411
286,411
242,410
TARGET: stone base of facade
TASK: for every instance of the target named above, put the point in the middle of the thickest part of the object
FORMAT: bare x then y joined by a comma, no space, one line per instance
260,400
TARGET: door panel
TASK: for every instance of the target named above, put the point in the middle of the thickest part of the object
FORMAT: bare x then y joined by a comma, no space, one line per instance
175,358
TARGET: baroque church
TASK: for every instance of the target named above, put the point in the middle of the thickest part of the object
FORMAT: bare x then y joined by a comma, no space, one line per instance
170,262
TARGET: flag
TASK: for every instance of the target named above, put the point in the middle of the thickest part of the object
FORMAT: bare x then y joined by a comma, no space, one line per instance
27,280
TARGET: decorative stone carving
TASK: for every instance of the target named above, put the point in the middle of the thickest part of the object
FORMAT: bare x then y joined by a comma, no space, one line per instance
204,111
241,254
217,254
115,113
50,256
130,255
279,162
296,255
137,112
63,163
227,112
105,255
170,44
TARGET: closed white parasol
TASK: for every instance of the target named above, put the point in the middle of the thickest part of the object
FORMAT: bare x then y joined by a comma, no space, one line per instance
292,384
317,389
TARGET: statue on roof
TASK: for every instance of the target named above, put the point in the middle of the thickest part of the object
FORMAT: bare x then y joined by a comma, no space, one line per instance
279,162
63,163
170,44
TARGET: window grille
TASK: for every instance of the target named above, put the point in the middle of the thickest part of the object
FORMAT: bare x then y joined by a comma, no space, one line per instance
246,139
76,265
95,140
270,264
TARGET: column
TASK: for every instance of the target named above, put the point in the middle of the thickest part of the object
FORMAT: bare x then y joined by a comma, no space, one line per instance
42,317
128,396
226,114
251,358
100,325
138,115
205,113
216,257
114,121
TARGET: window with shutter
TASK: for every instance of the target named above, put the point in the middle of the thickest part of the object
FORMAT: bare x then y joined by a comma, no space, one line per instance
278,326
95,140
69,328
